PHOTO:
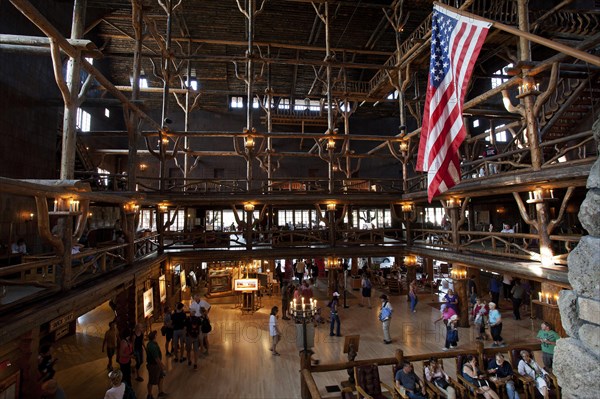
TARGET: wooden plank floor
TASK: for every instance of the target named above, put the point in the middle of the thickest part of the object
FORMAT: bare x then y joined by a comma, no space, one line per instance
240,364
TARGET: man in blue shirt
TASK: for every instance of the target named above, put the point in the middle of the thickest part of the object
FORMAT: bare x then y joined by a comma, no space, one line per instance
504,374
495,286
407,379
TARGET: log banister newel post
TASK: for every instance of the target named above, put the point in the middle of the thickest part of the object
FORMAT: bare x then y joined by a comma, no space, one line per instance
44,226
480,348
399,355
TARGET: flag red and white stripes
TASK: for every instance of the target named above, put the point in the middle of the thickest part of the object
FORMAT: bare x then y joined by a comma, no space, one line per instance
455,45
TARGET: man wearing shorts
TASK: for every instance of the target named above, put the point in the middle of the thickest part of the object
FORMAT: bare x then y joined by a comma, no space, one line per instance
154,365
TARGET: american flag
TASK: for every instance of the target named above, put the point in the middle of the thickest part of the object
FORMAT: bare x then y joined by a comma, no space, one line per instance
455,45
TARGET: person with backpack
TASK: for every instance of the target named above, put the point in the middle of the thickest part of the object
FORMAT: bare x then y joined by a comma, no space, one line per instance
385,317
366,290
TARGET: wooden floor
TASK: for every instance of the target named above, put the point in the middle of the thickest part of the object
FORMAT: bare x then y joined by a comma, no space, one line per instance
240,364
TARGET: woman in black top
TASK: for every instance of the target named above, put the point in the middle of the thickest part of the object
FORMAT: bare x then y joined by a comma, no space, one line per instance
138,349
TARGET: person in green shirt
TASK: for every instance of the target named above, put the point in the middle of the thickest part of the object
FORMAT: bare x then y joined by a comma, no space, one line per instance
548,338
155,366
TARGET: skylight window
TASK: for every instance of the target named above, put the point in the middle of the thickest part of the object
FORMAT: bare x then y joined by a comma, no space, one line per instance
107,112
236,102
84,120
284,103
498,81
501,137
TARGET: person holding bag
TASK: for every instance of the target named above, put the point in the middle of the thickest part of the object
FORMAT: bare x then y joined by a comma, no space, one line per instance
435,374
475,377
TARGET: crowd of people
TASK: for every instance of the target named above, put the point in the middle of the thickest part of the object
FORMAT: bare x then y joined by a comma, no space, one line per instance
186,333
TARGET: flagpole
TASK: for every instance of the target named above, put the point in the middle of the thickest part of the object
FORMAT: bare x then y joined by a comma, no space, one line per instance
582,55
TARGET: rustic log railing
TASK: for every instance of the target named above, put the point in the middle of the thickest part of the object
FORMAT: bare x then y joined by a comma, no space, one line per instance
310,389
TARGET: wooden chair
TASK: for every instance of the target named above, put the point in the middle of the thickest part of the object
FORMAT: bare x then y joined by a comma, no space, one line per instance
531,391
394,286
461,391
404,395
368,383
470,390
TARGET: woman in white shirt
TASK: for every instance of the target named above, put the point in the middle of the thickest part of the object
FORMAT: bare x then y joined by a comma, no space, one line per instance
435,374
529,368
274,330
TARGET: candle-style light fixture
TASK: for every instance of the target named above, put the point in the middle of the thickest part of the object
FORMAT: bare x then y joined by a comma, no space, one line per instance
333,263
453,202
528,87
403,146
131,207
331,206
410,260
162,207
407,208
540,195
249,207
304,312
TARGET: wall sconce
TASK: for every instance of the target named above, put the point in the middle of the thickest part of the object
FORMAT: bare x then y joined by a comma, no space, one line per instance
73,205
249,207
453,202
331,207
528,87
335,168
410,260
249,144
143,166
31,215
165,141
164,208
333,263
131,207
330,144
407,208
539,195
403,147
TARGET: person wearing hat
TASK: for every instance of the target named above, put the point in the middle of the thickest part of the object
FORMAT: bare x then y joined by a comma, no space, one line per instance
335,318
385,316
451,333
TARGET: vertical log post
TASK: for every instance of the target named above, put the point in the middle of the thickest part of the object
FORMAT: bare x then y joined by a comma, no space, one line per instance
528,100
73,81
460,289
132,118
67,273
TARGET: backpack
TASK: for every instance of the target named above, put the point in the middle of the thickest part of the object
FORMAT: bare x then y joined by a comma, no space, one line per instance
385,313
205,326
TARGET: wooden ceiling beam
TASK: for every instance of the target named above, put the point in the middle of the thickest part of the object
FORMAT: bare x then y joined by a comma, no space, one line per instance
274,45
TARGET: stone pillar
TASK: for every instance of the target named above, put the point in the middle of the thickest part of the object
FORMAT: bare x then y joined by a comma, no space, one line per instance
576,358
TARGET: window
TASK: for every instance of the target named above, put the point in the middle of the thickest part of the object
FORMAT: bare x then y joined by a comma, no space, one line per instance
476,123
107,112
103,176
434,216
393,95
236,102
84,120
193,84
214,220
255,103
501,137
90,60
147,220
179,222
498,81
284,103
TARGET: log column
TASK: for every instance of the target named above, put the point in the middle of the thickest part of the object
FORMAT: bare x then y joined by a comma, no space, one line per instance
73,81
460,284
